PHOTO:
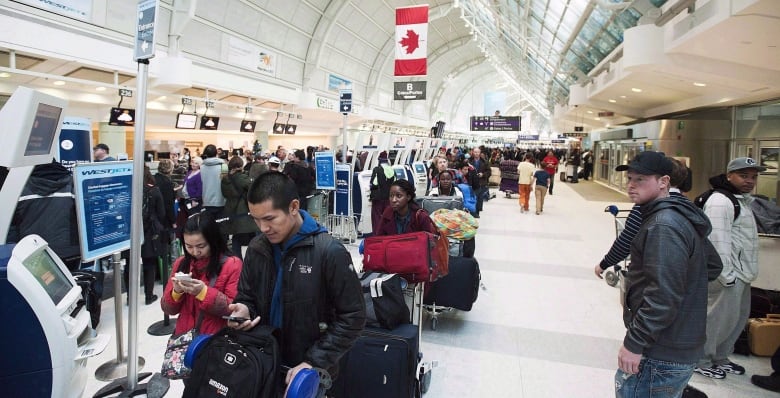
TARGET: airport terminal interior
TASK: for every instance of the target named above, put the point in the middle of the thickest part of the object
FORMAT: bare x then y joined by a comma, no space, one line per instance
141,81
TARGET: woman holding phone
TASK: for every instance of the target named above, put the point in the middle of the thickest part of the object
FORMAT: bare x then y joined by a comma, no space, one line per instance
204,280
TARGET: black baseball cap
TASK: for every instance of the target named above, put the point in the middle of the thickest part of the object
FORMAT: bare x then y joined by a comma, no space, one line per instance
649,163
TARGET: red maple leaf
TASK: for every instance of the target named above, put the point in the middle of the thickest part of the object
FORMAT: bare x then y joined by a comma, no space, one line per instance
411,41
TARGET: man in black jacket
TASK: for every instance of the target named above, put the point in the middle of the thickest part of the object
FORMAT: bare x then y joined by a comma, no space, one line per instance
482,168
665,309
299,279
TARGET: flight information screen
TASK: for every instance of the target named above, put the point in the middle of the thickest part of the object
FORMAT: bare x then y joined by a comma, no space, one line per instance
495,123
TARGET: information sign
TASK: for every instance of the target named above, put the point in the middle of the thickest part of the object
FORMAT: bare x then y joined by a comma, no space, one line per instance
144,32
342,197
409,90
345,101
103,197
495,123
325,170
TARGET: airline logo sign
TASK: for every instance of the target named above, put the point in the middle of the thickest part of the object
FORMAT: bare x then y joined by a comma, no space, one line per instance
409,90
411,41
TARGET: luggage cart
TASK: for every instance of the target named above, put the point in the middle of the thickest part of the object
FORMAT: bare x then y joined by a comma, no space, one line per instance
343,228
318,205
413,294
509,177
614,276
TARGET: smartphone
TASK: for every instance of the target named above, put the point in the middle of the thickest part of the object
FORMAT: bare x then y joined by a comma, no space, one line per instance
181,276
236,319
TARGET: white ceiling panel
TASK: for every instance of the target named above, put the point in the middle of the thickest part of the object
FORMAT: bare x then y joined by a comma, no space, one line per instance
295,43
243,18
213,11
201,39
284,9
271,32
306,18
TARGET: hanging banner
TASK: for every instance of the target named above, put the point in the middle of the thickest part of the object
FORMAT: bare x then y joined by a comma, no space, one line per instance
411,41
75,142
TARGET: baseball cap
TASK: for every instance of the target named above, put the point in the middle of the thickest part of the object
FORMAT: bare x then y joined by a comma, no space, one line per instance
274,160
743,163
101,146
649,163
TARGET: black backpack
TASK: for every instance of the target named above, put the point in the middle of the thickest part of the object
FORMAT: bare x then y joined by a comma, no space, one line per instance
236,363
700,200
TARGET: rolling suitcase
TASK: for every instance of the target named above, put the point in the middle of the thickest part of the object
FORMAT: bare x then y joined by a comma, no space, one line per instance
381,364
459,289
433,203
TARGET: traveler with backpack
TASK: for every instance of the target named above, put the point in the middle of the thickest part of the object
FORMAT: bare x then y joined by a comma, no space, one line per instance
381,177
299,279
735,237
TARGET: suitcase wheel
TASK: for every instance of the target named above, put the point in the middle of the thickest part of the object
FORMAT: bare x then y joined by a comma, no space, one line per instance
425,380
611,278
434,322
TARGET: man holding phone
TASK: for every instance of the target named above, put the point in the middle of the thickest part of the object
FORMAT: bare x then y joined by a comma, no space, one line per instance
298,279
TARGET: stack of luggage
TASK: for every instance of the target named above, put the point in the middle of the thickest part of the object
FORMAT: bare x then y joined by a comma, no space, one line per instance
509,177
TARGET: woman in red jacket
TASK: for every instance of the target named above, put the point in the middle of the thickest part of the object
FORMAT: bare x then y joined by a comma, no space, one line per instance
404,215
204,261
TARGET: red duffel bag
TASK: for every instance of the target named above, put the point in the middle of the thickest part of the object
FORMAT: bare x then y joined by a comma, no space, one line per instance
417,256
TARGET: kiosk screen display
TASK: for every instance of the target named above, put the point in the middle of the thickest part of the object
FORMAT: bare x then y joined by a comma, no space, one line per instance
43,129
49,274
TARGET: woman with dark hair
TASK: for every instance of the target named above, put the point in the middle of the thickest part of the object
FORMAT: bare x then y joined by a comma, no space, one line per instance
404,215
212,278
235,185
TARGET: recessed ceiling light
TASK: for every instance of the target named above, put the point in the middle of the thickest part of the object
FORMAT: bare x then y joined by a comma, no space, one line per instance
5,74
622,96
612,101
590,111
636,90
100,88
58,83
697,84
598,118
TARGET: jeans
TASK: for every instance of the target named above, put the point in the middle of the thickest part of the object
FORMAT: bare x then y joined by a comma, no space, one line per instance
655,379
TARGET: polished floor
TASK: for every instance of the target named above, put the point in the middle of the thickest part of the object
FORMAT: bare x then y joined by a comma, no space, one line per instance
544,326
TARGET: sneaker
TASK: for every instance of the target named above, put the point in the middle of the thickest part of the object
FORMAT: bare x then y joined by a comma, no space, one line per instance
732,368
711,372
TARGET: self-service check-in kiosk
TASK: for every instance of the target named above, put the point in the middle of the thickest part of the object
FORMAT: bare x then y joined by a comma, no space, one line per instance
420,178
47,340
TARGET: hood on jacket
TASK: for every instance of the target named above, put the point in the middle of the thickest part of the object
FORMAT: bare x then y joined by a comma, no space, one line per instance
309,227
683,206
720,181
212,162
48,178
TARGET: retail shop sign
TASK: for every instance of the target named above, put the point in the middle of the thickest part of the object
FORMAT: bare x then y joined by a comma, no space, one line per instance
144,33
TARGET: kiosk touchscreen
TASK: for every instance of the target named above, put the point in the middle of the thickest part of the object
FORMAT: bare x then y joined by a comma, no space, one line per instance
48,339
420,178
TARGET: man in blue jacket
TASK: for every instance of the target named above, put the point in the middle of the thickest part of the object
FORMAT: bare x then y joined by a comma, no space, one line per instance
299,279
665,310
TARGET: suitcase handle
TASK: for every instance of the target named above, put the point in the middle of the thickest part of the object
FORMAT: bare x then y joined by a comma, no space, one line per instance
772,317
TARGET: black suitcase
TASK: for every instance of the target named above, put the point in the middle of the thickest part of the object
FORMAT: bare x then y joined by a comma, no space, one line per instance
433,203
89,295
459,288
381,364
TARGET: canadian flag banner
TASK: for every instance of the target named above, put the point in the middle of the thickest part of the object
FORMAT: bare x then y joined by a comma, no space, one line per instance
411,41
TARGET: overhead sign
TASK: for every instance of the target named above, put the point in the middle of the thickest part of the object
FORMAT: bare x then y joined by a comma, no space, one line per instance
606,114
345,101
579,128
144,32
409,91
495,123
576,135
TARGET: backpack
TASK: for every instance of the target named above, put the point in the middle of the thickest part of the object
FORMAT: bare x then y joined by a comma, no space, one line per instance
382,183
235,363
700,200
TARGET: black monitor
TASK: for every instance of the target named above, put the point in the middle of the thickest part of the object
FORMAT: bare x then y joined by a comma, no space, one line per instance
186,121
209,122
149,155
248,126
290,128
122,117
278,128
163,155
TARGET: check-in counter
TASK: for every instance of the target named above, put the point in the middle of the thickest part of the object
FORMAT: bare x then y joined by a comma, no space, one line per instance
768,262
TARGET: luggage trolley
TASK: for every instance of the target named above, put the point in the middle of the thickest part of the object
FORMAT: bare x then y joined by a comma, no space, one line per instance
413,293
614,277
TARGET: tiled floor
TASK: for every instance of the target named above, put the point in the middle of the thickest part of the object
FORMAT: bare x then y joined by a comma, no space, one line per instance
544,326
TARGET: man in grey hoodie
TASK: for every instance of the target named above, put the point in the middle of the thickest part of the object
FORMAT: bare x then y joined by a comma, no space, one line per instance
665,310
211,176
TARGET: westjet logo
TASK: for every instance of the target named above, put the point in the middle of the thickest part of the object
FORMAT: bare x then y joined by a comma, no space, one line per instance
221,389
106,171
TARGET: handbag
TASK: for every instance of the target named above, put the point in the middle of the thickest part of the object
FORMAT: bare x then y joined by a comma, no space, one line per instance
173,366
